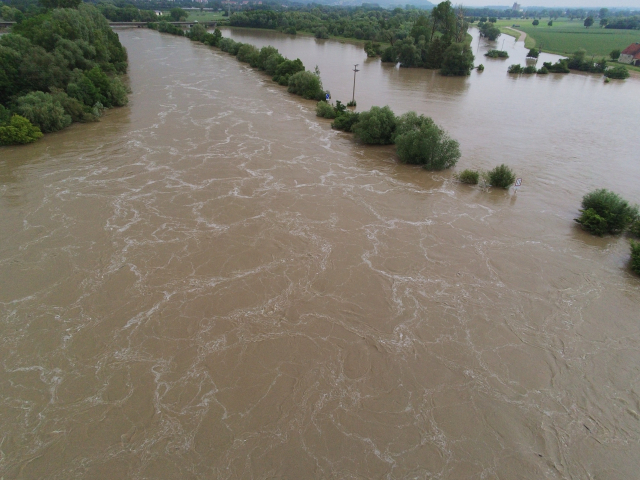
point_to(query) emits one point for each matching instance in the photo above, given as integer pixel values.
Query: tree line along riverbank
(58, 67)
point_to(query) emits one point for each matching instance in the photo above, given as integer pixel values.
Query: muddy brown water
(211, 283)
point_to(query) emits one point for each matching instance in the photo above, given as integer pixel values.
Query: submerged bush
(247, 53)
(420, 141)
(230, 46)
(272, 62)
(323, 109)
(468, 176)
(605, 212)
(457, 60)
(286, 68)
(618, 72)
(517, 68)
(307, 85)
(376, 126)
(501, 177)
(561, 66)
(345, 121)
(635, 256)
(264, 55)
(497, 54)
(389, 55)
(529, 69)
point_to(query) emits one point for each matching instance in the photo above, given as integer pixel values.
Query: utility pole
(355, 70)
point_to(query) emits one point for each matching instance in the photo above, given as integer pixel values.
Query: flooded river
(211, 283)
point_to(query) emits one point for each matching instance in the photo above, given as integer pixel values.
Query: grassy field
(565, 37)
(204, 16)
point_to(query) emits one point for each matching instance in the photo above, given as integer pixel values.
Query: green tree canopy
(458, 60)
(177, 14)
(376, 126)
(420, 141)
(42, 110)
(18, 130)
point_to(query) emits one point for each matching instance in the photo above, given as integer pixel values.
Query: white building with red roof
(631, 55)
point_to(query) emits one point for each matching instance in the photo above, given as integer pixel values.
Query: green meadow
(565, 36)
(204, 16)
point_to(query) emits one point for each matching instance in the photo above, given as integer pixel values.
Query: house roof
(633, 49)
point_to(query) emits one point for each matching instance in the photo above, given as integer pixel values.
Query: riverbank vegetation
(414, 38)
(418, 140)
(289, 73)
(58, 67)
(635, 257)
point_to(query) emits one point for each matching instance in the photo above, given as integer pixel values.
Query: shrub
(468, 176)
(420, 141)
(605, 212)
(533, 53)
(248, 53)
(635, 256)
(376, 126)
(501, 177)
(42, 110)
(272, 62)
(634, 228)
(543, 70)
(265, 54)
(19, 130)
(230, 46)
(307, 85)
(287, 68)
(497, 54)
(372, 49)
(197, 32)
(352, 103)
(323, 109)
(480, 68)
(615, 54)
(530, 69)
(515, 68)
(618, 72)
(345, 121)
(561, 66)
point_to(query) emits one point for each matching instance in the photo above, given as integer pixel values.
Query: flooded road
(211, 283)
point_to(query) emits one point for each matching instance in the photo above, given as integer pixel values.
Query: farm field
(565, 37)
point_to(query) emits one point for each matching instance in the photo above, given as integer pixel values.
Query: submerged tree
(420, 141)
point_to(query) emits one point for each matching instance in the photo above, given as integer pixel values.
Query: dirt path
(522, 36)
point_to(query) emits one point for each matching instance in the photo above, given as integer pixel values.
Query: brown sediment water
(211, 283)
